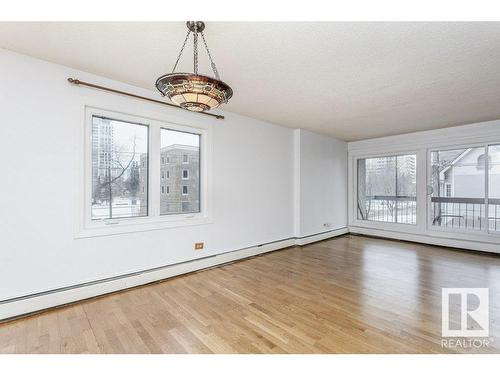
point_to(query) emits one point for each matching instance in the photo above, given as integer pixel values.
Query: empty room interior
(250, 187)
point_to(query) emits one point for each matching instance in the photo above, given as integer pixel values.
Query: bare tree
(116, 164)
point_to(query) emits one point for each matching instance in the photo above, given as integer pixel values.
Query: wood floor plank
(350, 294)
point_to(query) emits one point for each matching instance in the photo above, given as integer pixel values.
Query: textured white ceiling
(349, 80)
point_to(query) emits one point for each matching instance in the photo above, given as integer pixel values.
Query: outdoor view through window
(387, 189)
(180, 168)
(119, 169)
(458, 184)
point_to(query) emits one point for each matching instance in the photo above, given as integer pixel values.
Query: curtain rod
(83, 83)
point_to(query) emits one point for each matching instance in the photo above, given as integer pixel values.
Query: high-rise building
(102, 153)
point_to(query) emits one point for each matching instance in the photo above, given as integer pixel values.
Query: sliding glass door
(464, 189)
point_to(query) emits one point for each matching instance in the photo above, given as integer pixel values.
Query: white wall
(41, 122)
(258, 171)
(321, 180)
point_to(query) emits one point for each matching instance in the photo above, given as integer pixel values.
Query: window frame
(373, 223)
(476, 235)
(107, 154)
(480, 134)
(200, 164)
(86, 227)
(353, 189)
(446, 193)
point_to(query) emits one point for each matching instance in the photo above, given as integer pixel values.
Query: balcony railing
(458, 213)
(466, 213)
(387, 208)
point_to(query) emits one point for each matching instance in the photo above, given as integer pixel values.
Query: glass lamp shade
(194, 92)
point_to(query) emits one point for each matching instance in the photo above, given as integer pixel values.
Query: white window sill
(133, 225)
(433, 232)
(384, 225)
(468, 235)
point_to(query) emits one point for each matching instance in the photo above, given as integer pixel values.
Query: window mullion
(486, 189)
(423, 181)
(154, 170)
(396, 189)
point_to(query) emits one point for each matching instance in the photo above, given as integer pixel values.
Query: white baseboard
(28, 304)
(427, 239)
(41, 301)
(321, 236)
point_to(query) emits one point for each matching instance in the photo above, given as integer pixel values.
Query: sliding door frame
(422, 144)
(353, 210)
(478, 235)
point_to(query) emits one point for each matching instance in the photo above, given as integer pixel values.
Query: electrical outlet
(198, 246)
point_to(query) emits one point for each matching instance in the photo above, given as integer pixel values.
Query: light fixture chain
(190, 90)
(182, 50)
(214, 68)
(195, 48)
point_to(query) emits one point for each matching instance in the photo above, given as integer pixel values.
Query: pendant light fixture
(193, 91)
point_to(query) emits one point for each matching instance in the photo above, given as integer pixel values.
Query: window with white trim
(181, 147)
(387, 189)
(458, 171)
(465, 185)
(125, 170)
(448, 192)
(119, 169)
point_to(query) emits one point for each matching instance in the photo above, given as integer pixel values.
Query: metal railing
(448, 212)
(466, 213)
(387, 208)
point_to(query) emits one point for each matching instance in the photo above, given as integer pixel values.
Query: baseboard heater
(29, 304)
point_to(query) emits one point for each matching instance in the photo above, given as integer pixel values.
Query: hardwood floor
(350, 294)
